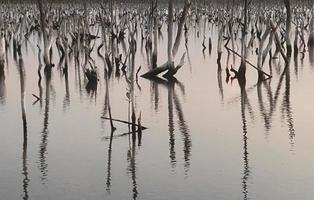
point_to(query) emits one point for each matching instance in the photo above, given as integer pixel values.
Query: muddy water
(206, 139)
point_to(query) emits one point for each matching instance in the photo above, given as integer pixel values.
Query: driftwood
(124, 122)
(164, 67)
(246, 61)
(158, 70)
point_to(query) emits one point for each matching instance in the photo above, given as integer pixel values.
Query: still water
(205, 139)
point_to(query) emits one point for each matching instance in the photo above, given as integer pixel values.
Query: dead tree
(278, 43)
(288, 27)
(311, 36)
(155, 31)
(43, 11)
(172, 49)
(219, 44)
(260, 52)
(310, 43)
(2, 51)
(242, 69)
(182, 21)
(170, 29)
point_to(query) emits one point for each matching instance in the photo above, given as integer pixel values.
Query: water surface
(206, 139)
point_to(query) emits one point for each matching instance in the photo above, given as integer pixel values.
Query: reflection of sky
(77, 155)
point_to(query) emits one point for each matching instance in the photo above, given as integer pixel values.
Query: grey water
(205, 138)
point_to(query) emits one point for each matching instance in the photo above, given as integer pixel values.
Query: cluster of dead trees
(276, 31)
(109, 31)
(74, 31)
(112, 33)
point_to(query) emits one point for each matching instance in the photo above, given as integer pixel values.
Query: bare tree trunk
(2, 51)
(260, 53)
(268, 47)
(24, 121)
(288, 27)
(172, 50)
(278, 43)
(311, 36)
(43, 12)
(311, 41)
(170, 30)
(219, 44)
(154, 59)
(296, 42)
(187, 5)
(242, 68)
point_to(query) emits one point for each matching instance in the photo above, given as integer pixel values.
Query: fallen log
(167, 66)
(124, 122)
(158, 70)
(245, 60)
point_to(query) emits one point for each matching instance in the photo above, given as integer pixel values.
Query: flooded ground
(205, 138)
